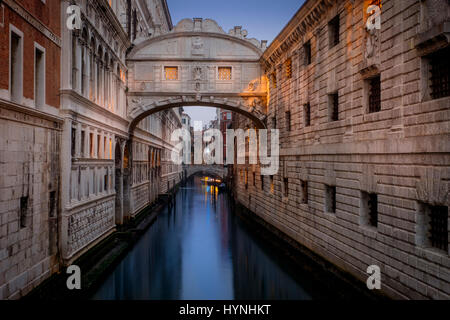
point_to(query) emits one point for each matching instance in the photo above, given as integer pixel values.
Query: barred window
(330, 199)
(286, 187)
(171, 73)
(273, 77)
(224, 73)
(288, 121)
(333, 107)
(307, 112)
(304, 187)
(288, 65)
(375, 94)
(440, 73)
(333, 29)
(369, 209)
(307, 48)
(438, 228)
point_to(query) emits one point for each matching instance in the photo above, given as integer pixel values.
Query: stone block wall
(330, 169)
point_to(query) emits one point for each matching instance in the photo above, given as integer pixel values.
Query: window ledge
(436, 36)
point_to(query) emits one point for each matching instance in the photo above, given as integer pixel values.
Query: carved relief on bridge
(253, 105)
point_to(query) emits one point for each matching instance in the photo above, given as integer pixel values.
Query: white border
(12, 29)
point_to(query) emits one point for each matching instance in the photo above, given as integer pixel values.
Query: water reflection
(198, 249)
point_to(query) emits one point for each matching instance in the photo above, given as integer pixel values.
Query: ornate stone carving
(197, 73)
(197, 46)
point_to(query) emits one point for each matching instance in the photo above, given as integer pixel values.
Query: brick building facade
(364, 132)
(30, 132)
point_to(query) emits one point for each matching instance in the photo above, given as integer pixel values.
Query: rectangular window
(288, 65)
(440, 73)
(273, 77)
(73, 141)
(262, 182)
(254, 179)
(330, 199)
(369, 209)
(83, 137)
(171, 73)
(98, 146)
(333, 107)
(304, 188)
(105, 148)
(307, 50)
(307, 112)
(91, 144)
(286, 187)
(333, 31)
(374, 94)
(23, 212)
(274, 122)
(432, 231)
(288, 121)
(39, 78)
(272, 185)
(16, 70)
(224, 73)
(246, 179)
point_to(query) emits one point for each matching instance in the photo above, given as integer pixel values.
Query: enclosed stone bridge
(217, 171)
(197, 64)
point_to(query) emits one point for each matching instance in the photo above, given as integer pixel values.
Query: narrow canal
(200, 250)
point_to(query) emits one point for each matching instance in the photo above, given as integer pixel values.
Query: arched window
(84, 62)
(74, 62)
(99, 74)
(92, 70)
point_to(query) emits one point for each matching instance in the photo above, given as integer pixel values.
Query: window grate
(334, 31)
(440, 73)
(307, 114)
(288, 64)
(438, 235)
(224, 73)
(288, 121)
(331, 199)
(304, 186)
(375, 95)
(334, 116)
(373, 210)
(171, 73)
(307, 48)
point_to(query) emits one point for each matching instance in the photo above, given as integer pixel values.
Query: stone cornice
(108, 11)
(306, 17)
(93, 106)
(56, 121)
(167, 36)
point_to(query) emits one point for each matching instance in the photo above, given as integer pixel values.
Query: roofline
(298, 17)
(167, 14)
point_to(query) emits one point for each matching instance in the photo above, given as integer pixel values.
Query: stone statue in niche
(197, 86)
(372, 43)
(197, 46)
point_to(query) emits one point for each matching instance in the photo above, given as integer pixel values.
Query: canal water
(200, 250)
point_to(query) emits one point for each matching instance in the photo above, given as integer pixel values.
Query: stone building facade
(109, 173)
(72, 170)
(30, 141)
(364, 118)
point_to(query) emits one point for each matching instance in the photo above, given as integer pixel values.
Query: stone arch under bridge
(197, 64)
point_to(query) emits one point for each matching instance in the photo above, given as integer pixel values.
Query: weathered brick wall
(29, 170)
(400, 153)
(48, 14)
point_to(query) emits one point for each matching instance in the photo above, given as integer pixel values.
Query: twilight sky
(263, 19)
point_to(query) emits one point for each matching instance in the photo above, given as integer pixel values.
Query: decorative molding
(33, 21)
